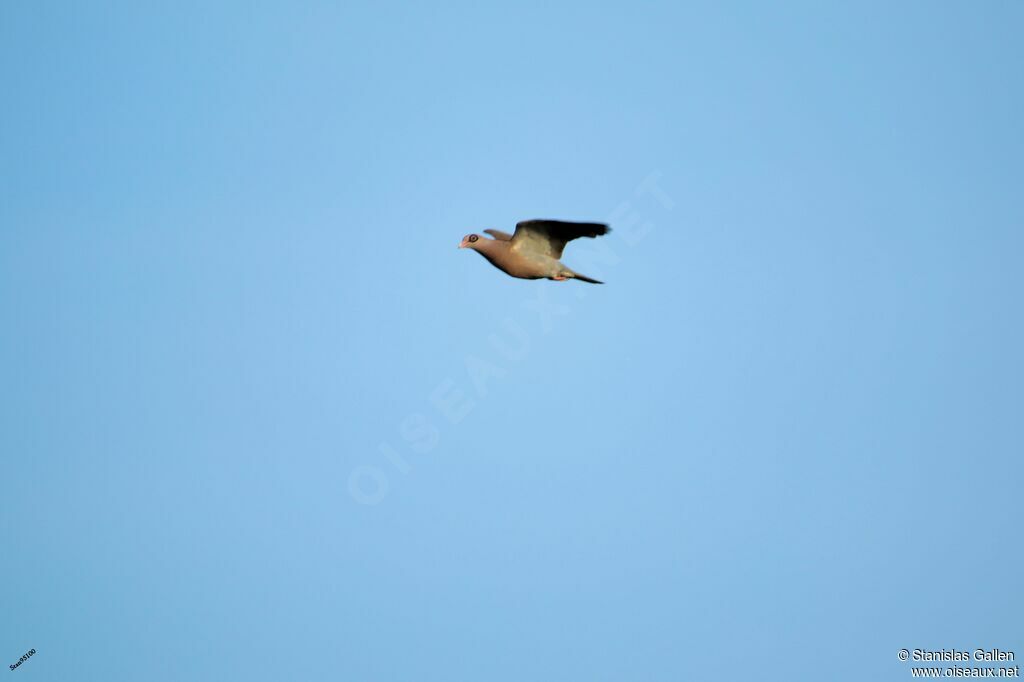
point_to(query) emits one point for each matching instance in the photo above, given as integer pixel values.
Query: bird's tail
(577, 275)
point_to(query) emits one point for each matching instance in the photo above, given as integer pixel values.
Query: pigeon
(533, 252)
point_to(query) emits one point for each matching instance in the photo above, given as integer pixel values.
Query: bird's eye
(473, 238)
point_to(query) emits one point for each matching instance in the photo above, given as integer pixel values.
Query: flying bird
(535, 250)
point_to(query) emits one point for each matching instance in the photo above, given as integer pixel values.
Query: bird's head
(469, 241)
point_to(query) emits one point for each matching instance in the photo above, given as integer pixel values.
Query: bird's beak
(462, 244)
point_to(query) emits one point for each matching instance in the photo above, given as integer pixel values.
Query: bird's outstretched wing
(499, 235)
(549, 237)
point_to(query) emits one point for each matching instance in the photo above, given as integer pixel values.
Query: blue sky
(262, 420)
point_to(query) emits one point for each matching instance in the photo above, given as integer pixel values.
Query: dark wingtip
(585, 229)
